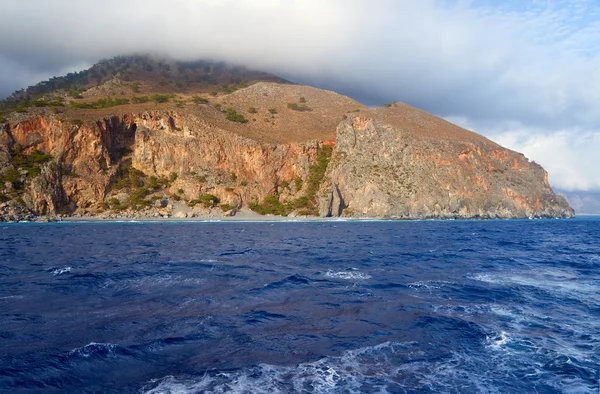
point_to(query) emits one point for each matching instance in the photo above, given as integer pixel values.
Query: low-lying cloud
(526, 74)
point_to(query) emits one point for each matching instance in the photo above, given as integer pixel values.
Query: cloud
(570, 157)
(507, 68)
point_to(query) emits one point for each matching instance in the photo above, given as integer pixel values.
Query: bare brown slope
(419, 122)
(272, 121)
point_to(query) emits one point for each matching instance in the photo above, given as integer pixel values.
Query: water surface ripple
(308, 307)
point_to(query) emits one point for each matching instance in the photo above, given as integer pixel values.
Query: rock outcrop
(191, 161)
(417, 166)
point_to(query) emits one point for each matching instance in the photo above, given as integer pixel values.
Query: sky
(524, 73)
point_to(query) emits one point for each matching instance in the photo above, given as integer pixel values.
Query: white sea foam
(347, 373)
(498, 341)
(60, 271)
(386, 368)
(348, 275)
(92, 348)
(548, 280)
(429, 285)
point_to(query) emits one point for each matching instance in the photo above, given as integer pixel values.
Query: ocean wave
(359, 370)
(60, 271)
(94, 349)
(347, 275)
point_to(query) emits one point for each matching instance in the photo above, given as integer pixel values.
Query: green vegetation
(270, 205)
(140, 99)
(227, 90)
(135, 86)
(273, 111)
(101, 103)
(306, 204)
(206, 199)
(296, 107)
(232, 115)
(77, 122)
(30, 163)
(161, 98)
(76, 93)
(141, 186)
(302, 100)
(284, 185)
(252, 110)
(127, 177)
(13, 176)
(230, 89)
(316, 171)
(213, 93)
(226, 207)
(200, 100)
(298, 183)
(46, 103)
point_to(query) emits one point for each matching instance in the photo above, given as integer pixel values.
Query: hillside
(136, 137)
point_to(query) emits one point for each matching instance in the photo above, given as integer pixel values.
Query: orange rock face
(395, 162)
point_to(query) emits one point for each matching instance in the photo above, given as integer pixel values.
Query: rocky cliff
(404, 163)
(274, 148)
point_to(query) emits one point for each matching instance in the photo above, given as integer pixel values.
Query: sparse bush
(270, 205)
(135, 86)
(298, 183)
(213, 93)
(76, 94)
(252, 110)
(232, 115)
(316, 171)
(206, 199)
(227, 90)
(296, 107)
(140, 100)
(77, 122)
(200, 100)
(273, 111)
(226, 207)
(161, 98)
(101, 103)
(302, 100)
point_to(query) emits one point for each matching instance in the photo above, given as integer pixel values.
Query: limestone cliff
(147, 160)
(404, 163)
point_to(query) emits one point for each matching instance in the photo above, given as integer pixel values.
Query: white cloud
(506, 68)
(570, 157)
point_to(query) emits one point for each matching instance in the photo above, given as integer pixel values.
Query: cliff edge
(262, 144)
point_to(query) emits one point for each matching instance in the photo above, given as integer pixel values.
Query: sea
(495, 306)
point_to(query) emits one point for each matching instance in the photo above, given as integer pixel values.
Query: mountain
(140, 137)
(584, 202)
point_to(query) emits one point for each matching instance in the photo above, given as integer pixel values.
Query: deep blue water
(340, 307)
